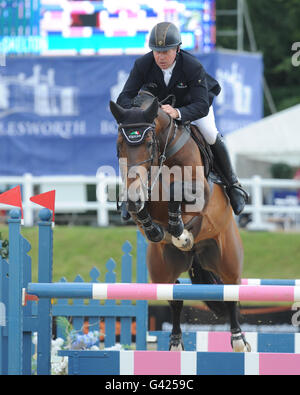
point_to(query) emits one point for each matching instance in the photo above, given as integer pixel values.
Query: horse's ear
(117, 111)
(150, 113)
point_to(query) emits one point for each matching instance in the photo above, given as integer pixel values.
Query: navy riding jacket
(193, 88)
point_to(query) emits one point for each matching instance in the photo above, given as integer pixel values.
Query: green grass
(78, 249)
(271, 255)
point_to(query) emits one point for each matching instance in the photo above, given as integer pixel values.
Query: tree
(276, 27)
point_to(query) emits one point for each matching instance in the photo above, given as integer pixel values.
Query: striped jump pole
(270, 281)
(123, 291)
(257, 281)
(151, 363)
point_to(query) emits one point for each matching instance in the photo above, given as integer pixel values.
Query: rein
(163, 156)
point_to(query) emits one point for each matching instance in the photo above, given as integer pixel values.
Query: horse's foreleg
(153, 231)
(181, 238)
(176, 343)
(175, 224)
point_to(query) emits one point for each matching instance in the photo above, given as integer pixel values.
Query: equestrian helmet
(164, 36)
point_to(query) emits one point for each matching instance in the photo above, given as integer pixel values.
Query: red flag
(13, 197)
(47, 200)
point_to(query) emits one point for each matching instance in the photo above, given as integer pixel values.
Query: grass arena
(28, 309)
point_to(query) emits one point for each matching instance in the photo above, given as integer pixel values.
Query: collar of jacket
(175, 75)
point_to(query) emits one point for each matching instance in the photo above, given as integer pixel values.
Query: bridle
(164, 153)
(150, 128)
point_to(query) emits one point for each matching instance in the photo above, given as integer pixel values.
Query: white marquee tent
(273, 139)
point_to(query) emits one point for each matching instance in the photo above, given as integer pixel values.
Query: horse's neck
(163, 119)
(162, 126)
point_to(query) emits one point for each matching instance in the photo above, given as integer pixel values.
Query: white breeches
(207, 126)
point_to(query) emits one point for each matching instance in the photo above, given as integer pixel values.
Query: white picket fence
(71, 197)
(71, 194)
(265, 215)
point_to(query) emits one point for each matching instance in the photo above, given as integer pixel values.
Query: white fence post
(257, 202)
(28, 193)
(102, 212)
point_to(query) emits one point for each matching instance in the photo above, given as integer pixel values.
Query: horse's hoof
(176, 228)
(155, 233)
(176, 343)
(239, 343)
(185, 241)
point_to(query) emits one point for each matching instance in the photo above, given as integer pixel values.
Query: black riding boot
(237, 195)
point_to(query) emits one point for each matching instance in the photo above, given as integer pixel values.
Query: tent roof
(275, 138)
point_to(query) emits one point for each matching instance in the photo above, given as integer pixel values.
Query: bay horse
(204, 241)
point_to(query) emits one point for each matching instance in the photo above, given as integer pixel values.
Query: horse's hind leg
(210, 267)
(230, 271)
(201, 276)
(165, 264)
(238, 341)
(176, 343)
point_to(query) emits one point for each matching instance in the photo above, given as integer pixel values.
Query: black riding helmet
(164, 36)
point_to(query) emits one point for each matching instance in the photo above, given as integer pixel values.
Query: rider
(169, 70)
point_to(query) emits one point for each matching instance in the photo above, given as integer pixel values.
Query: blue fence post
(142, 305)
(27, 313)
(4, 275)
(44, 305)
(78, 322)
(126, 277)
(15, 313)
(2, 314)
(110, 321)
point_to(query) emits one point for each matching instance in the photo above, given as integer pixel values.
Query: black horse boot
(175, 224)
(237, 195)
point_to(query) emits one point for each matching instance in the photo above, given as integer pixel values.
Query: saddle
(210, 171)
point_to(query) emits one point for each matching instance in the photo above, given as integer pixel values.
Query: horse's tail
(200, 276)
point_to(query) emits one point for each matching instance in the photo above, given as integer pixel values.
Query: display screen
(105, 27)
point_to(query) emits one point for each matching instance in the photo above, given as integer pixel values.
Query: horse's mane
(144, 99)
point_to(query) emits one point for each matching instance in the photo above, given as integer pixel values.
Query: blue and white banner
(241, 99)
(55, 117)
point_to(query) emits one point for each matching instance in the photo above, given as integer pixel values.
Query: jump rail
(229, 293)
(181, 363)
(257, 281)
